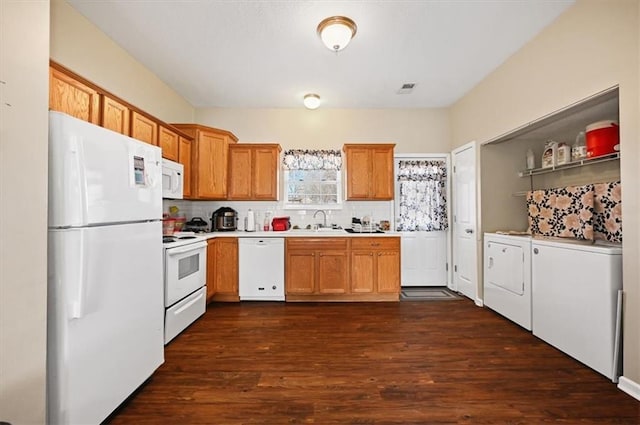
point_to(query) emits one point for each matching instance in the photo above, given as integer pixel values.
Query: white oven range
(184, 282)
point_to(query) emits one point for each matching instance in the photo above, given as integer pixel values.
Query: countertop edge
(296, 234)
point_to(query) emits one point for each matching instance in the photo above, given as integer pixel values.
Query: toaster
(280, 224)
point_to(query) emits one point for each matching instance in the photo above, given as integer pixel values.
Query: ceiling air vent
(406, 88)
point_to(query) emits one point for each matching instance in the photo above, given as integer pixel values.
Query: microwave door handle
(175, 180)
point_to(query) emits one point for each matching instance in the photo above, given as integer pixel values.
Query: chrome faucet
(324, 215)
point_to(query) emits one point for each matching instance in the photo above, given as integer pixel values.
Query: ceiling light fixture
(311, 101)
(336, 32)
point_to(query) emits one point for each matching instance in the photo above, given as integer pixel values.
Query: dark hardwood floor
(439, 362)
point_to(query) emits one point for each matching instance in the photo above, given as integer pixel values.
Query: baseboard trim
(630, 387)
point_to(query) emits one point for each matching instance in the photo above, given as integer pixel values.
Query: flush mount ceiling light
(336, 32)
(311, 101)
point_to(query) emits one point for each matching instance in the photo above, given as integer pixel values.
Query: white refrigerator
(105, 287)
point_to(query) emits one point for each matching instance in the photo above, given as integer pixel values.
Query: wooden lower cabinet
(316, 266)
(211, 267)
(333, 272)
(375, 265)
(342, 269)
(222, 269)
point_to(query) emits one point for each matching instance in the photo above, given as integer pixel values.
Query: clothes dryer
(507, 276)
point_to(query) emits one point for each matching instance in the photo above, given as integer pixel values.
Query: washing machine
(577, 288)
(507, 276)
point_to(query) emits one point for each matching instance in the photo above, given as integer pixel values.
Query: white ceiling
(267, 54)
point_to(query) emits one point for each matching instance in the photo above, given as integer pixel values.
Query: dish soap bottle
(531, 160)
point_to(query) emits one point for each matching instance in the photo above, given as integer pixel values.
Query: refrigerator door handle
(77, 182)
(78, 300)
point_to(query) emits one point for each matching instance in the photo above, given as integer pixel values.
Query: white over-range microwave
(172, 179)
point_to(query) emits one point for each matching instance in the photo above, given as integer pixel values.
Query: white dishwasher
(261, 269)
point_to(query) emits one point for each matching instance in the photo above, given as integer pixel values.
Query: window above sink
(312, 179)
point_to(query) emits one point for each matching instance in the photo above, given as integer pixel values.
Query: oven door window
(188, 266)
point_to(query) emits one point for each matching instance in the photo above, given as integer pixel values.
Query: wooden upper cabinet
(265, 168)
(369, 171)
(209, 160)
(115, 115)
(169, 143)
(72, 97)
(240, 164)
(184, 158)
(253, 171)
(143, 128)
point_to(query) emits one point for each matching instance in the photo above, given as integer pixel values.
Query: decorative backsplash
(377, 210)
(592, 211)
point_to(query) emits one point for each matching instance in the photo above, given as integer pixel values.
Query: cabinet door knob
(535, 250)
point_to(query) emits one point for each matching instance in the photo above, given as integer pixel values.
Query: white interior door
(465, 250)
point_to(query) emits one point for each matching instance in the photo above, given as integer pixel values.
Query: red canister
(280, 224)
(602, 137)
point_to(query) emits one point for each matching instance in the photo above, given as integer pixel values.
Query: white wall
(413, 130)
(590, 47)
(24, 62)
(80, 46)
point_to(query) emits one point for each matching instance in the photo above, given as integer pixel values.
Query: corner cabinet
(253, 171)
(369, 171)
(222, 269)
(209, 160)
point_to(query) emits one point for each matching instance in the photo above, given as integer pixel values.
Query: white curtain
(422, 198)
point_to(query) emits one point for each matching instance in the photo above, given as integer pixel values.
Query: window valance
(305, 159)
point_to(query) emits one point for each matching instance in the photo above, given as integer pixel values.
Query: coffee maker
(224, 219)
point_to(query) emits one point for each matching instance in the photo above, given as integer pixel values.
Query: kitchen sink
(319, 230)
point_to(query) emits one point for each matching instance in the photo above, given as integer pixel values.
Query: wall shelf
(572, 164)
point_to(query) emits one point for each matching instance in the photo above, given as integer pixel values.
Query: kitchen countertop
(298, 233)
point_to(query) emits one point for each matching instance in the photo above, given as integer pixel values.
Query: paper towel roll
(251, 222)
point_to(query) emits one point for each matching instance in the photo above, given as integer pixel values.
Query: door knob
(535, 250)
(468, 231)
